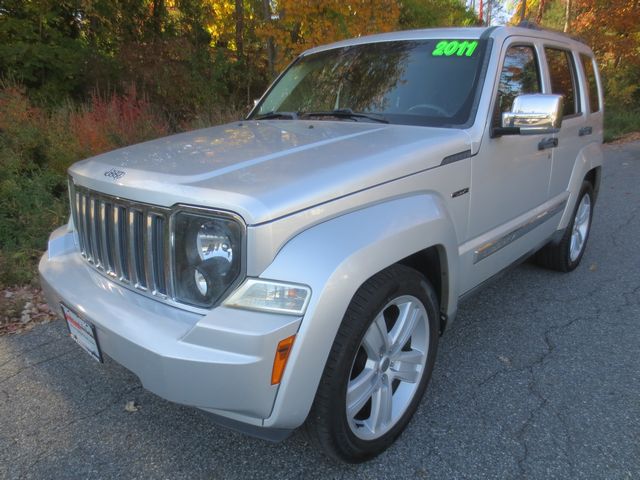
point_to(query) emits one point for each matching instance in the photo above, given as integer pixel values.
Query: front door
(510, 175)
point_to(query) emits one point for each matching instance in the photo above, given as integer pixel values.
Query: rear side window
(590, 74)
(563, 78)
(520, 74)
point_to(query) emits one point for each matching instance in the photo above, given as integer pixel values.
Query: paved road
(538, 378)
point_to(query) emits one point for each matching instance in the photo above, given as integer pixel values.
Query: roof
(461, 33)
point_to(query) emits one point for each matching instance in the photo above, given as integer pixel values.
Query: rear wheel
(378, 368)
(566, 255)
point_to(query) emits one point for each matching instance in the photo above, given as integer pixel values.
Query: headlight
(270, 296)
(207, 253)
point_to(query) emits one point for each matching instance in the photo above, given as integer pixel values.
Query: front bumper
(220, 362)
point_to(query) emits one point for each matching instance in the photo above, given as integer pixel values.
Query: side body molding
(335, 258)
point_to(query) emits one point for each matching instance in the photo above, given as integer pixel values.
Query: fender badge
(460, 192)
(115, 173)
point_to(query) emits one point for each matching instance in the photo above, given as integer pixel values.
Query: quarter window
(563, 78)
(520, 75)
(590, 74)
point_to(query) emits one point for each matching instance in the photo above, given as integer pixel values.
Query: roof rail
(529, 24)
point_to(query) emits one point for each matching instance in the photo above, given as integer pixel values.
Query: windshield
(426, 82)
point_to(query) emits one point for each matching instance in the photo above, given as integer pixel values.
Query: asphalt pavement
(538, 378)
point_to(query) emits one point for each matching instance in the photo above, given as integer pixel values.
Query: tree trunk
(523, 10)
(480, 17)
(240, 28)
(157, 16)
(541, 6)
(567, 16)
(271, 50)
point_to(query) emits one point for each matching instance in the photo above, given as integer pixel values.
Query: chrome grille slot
(120, 243)
(158, 253)
(137, 240)
(106, 232)
(94, 227)
(125, 240)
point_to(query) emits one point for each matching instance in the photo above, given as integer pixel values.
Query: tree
(523, 10)
(436, 13)
(567, 16)
(239, 13)
(300, 24)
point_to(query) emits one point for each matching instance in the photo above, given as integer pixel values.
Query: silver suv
(300, 265)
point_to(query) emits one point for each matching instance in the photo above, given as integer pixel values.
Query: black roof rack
(530, 25)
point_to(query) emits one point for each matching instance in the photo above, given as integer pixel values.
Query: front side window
(590, 74)
(563, 78)
(424, 82)
(520, 75)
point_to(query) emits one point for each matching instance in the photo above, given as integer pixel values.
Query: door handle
(585, 131)
(548, 143)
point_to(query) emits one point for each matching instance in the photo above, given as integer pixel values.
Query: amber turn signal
(280, 360)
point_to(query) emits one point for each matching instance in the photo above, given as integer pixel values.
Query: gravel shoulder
(539, 377)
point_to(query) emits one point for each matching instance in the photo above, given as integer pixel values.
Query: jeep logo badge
(115, 173)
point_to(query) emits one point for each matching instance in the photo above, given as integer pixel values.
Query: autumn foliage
(611, 28)
(79, 78)
(302, 24)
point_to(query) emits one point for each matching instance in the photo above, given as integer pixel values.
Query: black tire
(558, 256)
(328, 425)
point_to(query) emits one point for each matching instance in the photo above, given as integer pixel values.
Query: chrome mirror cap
(535, 114)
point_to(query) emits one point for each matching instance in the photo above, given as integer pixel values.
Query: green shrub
(619, 121)
(37, 147)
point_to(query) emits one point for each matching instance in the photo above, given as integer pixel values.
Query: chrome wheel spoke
(360, 390)
(376, 340)
(381, 407)
(412, 357)
(406, 324)
(584, 213)
(405, 366)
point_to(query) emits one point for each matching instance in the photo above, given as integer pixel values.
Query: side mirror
(533, 114)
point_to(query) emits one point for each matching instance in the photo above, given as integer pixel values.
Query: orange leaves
(107, 123)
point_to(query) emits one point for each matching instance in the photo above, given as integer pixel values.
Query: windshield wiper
(345, 113)
(284, 115)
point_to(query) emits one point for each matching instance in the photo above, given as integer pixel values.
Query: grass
(618, 122)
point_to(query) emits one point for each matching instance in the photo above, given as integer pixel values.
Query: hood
(266, 169)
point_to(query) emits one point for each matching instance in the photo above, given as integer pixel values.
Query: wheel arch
(586, 167)
(433, 264)
(594, 177)
(335, 258)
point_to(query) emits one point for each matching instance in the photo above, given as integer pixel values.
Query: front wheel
(378, 367)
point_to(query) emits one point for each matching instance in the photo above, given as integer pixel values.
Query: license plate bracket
(82, 332)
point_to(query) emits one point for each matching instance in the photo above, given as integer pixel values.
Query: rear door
(564, 79)
(593, 98)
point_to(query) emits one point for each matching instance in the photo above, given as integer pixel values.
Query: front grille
(125, 240)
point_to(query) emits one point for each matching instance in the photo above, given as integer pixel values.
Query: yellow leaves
(301, 24)
(222, 24)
